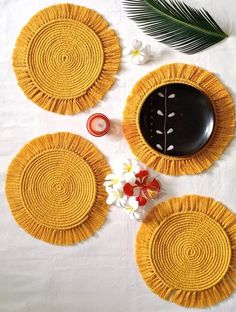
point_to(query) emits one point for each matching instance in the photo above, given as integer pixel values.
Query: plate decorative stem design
(165, 115)
(181, 158)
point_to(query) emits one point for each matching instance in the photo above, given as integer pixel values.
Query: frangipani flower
(115, 197)
(132, 208)
(114, 181)
(129, 169)
(131, 188)
(139, 54)
(146, 189)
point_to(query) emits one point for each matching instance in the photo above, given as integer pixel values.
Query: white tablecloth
(99, 275)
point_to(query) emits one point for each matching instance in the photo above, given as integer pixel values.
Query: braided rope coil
(55, 188)
(66, 58)
(185, 251)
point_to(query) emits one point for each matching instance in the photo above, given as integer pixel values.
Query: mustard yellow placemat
(54, 186)
(179, 119)
(66, 58)
(185, 251)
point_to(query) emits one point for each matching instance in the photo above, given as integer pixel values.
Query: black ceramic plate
(177, 119)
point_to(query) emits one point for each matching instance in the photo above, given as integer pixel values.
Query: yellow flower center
(135, 52)
(130, 209)
(116, 181)
(152, 194)
(127, 168)
(117, 194)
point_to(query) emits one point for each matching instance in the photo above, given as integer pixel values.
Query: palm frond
(176, 24)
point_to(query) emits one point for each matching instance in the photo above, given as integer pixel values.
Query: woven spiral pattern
(183, 243)
(185, 251)
(66, 58)
(62, 178)
(55, 188)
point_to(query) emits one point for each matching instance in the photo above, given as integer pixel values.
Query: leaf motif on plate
(159, 132)
(171, 96)
(171, 114)
(159, 112)
(170, 148)
(159, 147)
(160, 94)
(170, 131)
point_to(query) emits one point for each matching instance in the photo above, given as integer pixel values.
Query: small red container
(98, 125)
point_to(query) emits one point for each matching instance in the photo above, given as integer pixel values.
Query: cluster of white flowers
(114, 187)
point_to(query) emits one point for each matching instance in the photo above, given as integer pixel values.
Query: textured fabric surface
(185, 250)
(66, 58)
(99, 275)
(55, 189)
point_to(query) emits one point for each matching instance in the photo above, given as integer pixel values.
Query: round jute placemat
(66, 58)
(185, 251)
(55, 189)
(167, 107)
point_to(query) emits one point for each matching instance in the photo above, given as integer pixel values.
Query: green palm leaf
(176, 24)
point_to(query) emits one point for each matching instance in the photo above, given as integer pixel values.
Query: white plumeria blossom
(129, 170)
(132, 208)
(115, 197)
(114, 181)
(140, 54)
(114, 184)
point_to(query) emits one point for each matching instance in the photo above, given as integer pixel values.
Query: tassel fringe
(176, 206)
(106, 78)
(224, 119)
(96, 215)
